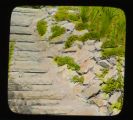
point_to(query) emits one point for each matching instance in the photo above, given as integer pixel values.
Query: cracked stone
(115, 97)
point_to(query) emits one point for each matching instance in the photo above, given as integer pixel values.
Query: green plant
(84, 14)
(60, 15)
(41, 27)
(66, 60)
(76, 78)
(90, 35)
(57, 31)
(70, 40)
(81, 26)
(109, 44)
(119, 51)
(31, 6)
(72, 17)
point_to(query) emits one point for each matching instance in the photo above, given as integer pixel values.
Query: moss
(76, 78)
(111, 85)
(103, 74)
(72, 17)
(11, 49)
(70, 41)
(117, 106)
(109, 44)
(81, 26)
(66, 60)
(41, 27)
(57, 31)
(119, 51)
(60, 15)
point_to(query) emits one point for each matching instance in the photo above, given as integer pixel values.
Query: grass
(68, 61)
(119, 51)
(90, 35)
(70, 40)
(109, 44)
(41, 27)
(76, 78)
(72, 17)
(57, 31)
(84, 14)
(31, 6)
(81, 26)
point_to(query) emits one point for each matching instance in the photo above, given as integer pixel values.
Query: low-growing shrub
(57, 31)
(70, 41)
(119, 51)
(81, 26)
(41, 27)
(66, 60)
(76, 78)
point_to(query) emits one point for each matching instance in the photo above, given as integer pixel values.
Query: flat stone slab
(20, 30)
(29, 66)
(29, 79)
(18, 19)
(23, 38)
(25, 10)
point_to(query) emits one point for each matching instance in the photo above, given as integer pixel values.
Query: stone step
(23, 38)
(19, 19)
(30, 78)
(51, 95)
(25, 10)
(20, 30)
(26, 46)
(29, 66)
(29, 87)
(20, 102)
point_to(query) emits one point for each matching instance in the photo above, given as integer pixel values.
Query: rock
(76, 32)
(77, 89)
(97, 56)
(69, 26)
(90, 42)
(81, 56)
(25, 10)
(112, 73)
(104, 64)
(71, 49)
(98, 45)
(71, 11)
(104, 110)
(97, 68)
(99, 102)
(115, 112)
(91, 90)
(115, 97)
(89, 48)
(78, 43)
(87, 77)
(112, 60)
(62, 22)
(86, 66)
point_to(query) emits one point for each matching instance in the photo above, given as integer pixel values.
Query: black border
(6, 11)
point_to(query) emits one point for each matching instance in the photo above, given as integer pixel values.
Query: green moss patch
(72, 17)
(41, 27)
(70, 41)
(81, 26)
(76, 78)
(57, 31)
(109, 44)
(68, 61)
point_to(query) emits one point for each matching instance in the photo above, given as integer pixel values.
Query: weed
(72, 17)
(57, 31)
(84, 14)
(41, 27)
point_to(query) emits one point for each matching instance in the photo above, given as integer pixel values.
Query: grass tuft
(76, 78)
(82, 26)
